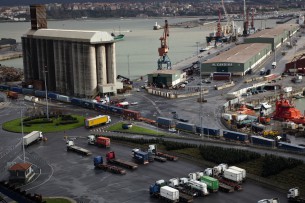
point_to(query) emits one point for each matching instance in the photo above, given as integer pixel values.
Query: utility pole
(128, 67)
(46, 90)
(200, 99)
(197, 43)
(22, 133)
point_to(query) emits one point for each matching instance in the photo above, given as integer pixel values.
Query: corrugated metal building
(75, 62)
(275, 36)
(237, 60)
(166, 78)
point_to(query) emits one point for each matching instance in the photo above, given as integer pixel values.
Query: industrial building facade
(74, 62)
(237, 60)
(166, 78)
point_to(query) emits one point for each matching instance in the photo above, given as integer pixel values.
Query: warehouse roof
(166, 71)
(239, 54)
(271, 33)
(71, 35)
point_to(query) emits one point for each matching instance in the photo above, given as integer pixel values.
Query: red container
(103, 141)
(131, 114)
(12, 95)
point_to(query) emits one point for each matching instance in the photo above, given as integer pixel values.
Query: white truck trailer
(233, 175)
(32, 137)
(243, 171)
(170, 194)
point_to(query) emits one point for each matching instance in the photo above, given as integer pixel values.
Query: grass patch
(14, 125)
(134, 129)
(56, 200)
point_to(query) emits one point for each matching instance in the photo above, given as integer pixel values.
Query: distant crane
(229, 25)
(246, 20)
(163, 50)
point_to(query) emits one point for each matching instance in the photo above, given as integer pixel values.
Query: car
(246, 94)
(138, 89)
(172, 130)
(183, 120)
(134, 103)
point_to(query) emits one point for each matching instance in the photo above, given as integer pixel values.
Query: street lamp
(46, 90)
(21, 119)
(200, 100)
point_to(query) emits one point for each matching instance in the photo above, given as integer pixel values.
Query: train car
(237, 136)
(101, 107)
(187, 127)
(63, 98)
(39, 93)
(258, 140)
(290, 147)
(16, 89)
(27, 91)
(116, 110)
(87, 104)
(76, 101)
(4, 87)
(52, 95)
(165, 122)
(136, 115)
(208, 131)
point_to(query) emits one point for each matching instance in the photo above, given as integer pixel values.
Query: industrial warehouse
(74, 62)
(245, 57)
(166, 78)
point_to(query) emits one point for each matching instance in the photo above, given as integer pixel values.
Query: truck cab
(273, 65)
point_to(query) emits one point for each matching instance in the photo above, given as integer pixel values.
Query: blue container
(97, 160)
(165, 122)
(208, 131)
(88, 104)
(188, 127)
(17, 89)
(154, 189)
(101, 107)
(290, 147)
(52, 95)
(63, 98)
(26, 91)
(115, 109)
(232, 135)
(76, 101)
(258, 140)
(4, 87)
(140, 157)
(39, 93)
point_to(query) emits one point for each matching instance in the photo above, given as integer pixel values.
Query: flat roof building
(166, 78)
(237, 60)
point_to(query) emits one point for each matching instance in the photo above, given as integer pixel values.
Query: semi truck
(154, 150)
(212, 183)
(111, 159)
(233, 175)
(294, 196)
(140, 156)
(200, 187)
(98, 163)
(99, 141)
(77, 149)
(98, 120)
(243, 171)
(33, 136)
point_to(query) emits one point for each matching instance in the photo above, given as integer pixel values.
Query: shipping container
(4, 87)
(233, 175)
(63, 98)
(258, 140)
(165, 122)
(232, 135)
(98, 120)
(12, 95)
(101, 107)
(76, 101)
(116, 110)
(188, 127)
(26, 91)
(17, 89)
(211, 183)
(39, 93)
(170, 194)
(291, 147)
(52, 95)
(103, 141)
(87, 104)
(243, 171)
(127, 113)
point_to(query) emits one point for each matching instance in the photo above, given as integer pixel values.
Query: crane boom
(163, 50)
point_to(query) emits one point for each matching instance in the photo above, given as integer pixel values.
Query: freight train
(161, 121)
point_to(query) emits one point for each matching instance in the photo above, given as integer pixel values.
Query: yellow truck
(98, 120)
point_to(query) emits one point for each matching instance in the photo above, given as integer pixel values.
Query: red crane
(163, 50)
(218, 33)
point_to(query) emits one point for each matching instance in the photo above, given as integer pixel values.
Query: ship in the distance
(157, 26)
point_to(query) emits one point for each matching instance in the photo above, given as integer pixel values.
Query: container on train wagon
(188, 127)
(52, 95)
(63, 98)
(258, 140)
(39, 93)
(27, 91)
(76, 101)
(232, 135)
(291, 147)
(16, 89)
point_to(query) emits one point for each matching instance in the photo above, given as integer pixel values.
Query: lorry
(154, 150)
(99, 141)
(243, 171)
(98, 120)
(152, 154)
(72, 147)
(294, 196)
(212, 183)
(32, 137)
(98, 163)
(140, 156)
(12, 95)
(200, 187)
(232, 175)
(111, 159)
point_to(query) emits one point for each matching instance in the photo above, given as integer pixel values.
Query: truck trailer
(140, 156)
(154, 150)
(99, 141)
(74, 148)
(32, 137)
(110, 156)
(232, 175)
(12, 95)
(98, 120)
(98, 163)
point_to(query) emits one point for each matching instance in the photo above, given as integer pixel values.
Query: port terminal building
(245, 57)
(72, 62)
(237, 60)
(166, 77)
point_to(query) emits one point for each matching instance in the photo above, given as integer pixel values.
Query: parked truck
(212, 183)
(154, 150)
(294, 196)
(110, 156)
(200, 187)
(32, 137)
(98, 120)
(98, 163)
(99, 141)
(12, 95)
(273, 200)
(243, 171)
(72, 147)
(140, 156)
(233, 175)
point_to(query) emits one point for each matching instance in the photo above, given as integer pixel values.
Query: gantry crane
(163, 50)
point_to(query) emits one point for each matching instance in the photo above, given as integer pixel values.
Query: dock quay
(12, 55)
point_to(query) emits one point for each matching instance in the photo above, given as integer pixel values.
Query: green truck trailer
(212, 183)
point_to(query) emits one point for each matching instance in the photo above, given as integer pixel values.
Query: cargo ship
(156, 26)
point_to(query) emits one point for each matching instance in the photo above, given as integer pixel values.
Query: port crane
(246, 20)
(163, 50)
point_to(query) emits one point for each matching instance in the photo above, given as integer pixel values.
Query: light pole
(200, 99)
(21, 120)
(46, 90)
(197, 43)
(128, 66)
